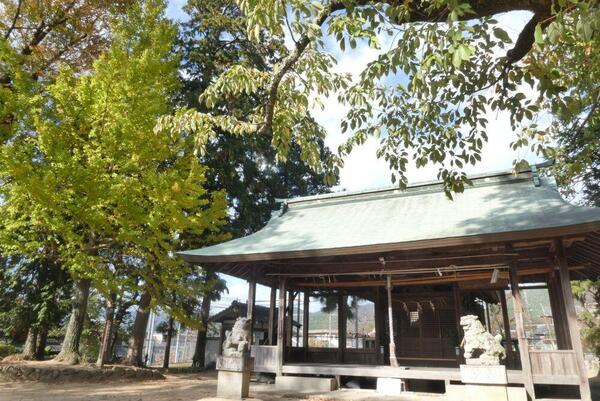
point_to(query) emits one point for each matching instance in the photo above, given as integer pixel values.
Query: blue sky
(362, 169)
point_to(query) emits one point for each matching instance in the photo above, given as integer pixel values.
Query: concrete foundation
(491, 392)
(234, 385)
(389, 386)
(300, 384)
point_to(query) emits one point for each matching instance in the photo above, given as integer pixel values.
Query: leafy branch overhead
(445, 69)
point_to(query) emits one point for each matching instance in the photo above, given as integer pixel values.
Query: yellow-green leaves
(97, 173)
(461, 53)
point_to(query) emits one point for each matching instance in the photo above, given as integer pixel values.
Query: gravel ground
(187, 387)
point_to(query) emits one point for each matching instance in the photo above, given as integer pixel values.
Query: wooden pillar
(378, 324)
(506, 323)
(393, 360)
(298, 319)
(272, 307)
(457, 315)
(251, 303)
(290, 320)
(305, 311)
(565, 284)
(559, 314)
(221, 339)
(281, 327)
(341, 327)
(520, 326)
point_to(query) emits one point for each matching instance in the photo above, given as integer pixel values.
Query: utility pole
(177, 343)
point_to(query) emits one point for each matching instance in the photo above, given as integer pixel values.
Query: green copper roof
(496, 207)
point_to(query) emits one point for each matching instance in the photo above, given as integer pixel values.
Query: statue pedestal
(484, 382)
(483, 374)
(234, 376)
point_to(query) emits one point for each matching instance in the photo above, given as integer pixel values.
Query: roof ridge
(417, 187)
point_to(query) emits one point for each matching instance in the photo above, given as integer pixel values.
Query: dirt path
(180, 387)
(185, 387)
(188, 387)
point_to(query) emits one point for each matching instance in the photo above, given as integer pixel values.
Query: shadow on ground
(188, 387)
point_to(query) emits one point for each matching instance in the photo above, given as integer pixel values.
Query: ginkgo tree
(88, 166)
(427, 97)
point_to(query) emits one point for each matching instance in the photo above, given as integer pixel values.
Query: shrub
(7, 349)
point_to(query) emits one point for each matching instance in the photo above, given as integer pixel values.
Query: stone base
(300, 384)
(235, 363)
(234, 376)
(234, 385)
(389, 386)
(462, 392)
(483, 374)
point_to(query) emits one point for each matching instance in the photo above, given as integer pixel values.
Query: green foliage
(87, 167)
(6, 350)
(215, 48)
(567, 65)
(454, 67)
(34, 294)
(587, 293)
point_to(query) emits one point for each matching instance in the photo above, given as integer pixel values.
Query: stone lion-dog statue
(237, 340)
(480, 347)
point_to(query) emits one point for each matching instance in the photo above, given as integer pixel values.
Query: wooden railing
(554, 367)
(265, 358)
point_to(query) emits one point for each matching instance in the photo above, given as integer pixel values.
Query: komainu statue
(237, 341)
(480, 347)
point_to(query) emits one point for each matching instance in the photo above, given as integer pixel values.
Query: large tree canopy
(211, 41)
(428, 96)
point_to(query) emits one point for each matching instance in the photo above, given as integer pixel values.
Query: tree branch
(44, 29)
(540, 8)
(14, 21)
(289, 62)
(526, 38)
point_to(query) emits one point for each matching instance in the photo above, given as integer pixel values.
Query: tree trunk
(114, 334)
(136, 339)
(40, 351)
(30, 343)
(104, 353)
(69, 351)
(199, 351)
(168, 343)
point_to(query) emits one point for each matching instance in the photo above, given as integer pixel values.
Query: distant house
(237, 309)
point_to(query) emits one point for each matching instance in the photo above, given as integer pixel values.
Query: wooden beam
(281, 327)
(393, 360)
(565, 283)
(419, 281)
(303, 268)
(506, 323)
(272, 308)
(521, 337)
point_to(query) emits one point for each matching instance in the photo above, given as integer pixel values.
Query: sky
(362, 169)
